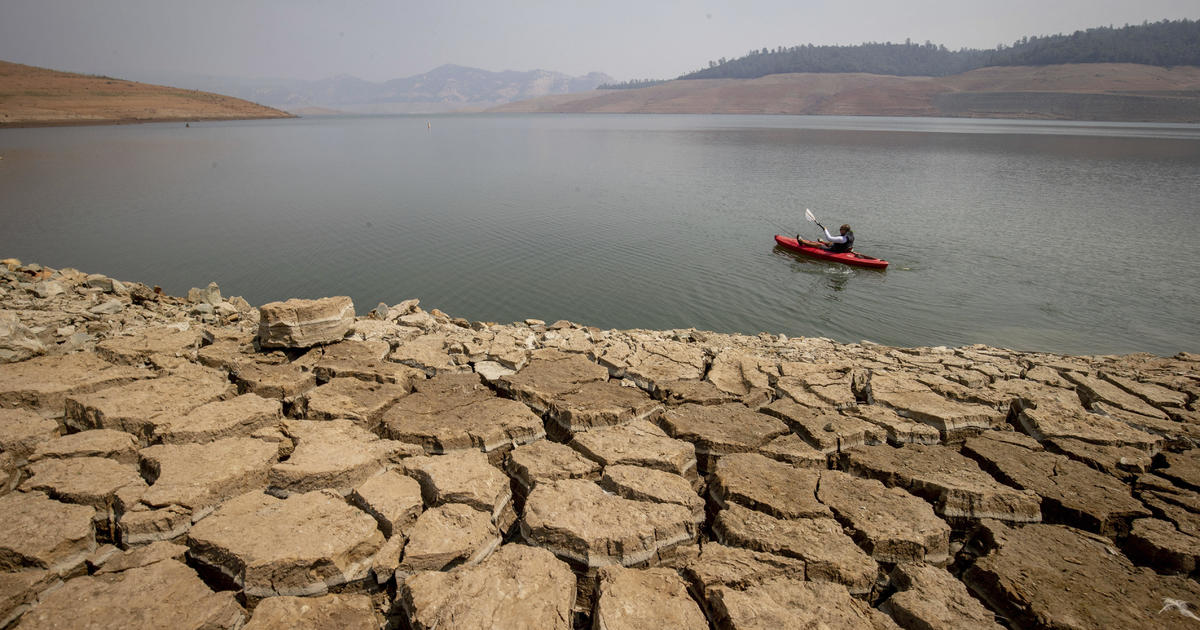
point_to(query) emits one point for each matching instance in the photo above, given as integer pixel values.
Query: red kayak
(814, 249)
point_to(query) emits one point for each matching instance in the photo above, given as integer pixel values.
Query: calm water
(1080, 238)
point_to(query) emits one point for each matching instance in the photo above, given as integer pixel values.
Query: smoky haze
(380, 40)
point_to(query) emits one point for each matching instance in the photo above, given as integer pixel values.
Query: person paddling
(843, 242)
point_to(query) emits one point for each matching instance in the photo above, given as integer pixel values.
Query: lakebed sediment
(207, 463)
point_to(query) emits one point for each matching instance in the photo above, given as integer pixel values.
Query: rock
(337, 454)
(465, 478)
(455, 411)
(200, 477)
(135, 350)
(448, 535)
(21, 431)
(304, 323)
(204, 312)
(38, 532)
(379, 312)
(792, 450)
(1091, 586)
(1156, 395)
(517, 587)
(492, 370)
(1071, 492)
(888, 523)
(578, 521)
(736, 567)
(826, 432)
(1169, 502)
(348, 612)
(642, 599)
(17, 341)
(544, 461)
(427, 353)
(228, 351)
(393, 499)
(1158, 544)
(210, 295)
(1094, 390)
(48, 289)
(510, 349)
(647, 484)
(167, 592)
(829, 554)
(386, 562)
(791, 603)
(10, 472)
(677, 393)
(930, 597)
(654, 362)
(45, 382)
(118, 446)
(958, 489)
(550, 375)
(1122, 462)
(1174, 435)
(739, 374)
(102, 484)
(720, 430)
(19, 590)
(102, 282)
(237, 417)
(600, 404)
(953, 419)
(301, 545)
(141, 525)
(363, 360)
(140, 406)
(279, 381)
(828, 390)
(142, 557)
(900, 431)
(1183, 469)
(1052, 423)
(108, 307)
(759, 483)
(638, 443)
(421, 320)
(360, 401)
(407, 307)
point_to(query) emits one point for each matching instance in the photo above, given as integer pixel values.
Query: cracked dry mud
(298, 465)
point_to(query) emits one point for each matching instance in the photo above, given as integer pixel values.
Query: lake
(1079, 238)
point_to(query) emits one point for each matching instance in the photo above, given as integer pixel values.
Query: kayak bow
(810, 248)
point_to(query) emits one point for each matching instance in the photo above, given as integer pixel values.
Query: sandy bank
(205, 462)
(38, 97)
(1110, 92)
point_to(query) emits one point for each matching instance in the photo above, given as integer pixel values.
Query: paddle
(809, 215)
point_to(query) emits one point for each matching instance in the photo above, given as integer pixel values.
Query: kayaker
(843, 242)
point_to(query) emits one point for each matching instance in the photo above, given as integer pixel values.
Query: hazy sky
(379, 40)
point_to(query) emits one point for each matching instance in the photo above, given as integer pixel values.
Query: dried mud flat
(203, 463)
(33, 97)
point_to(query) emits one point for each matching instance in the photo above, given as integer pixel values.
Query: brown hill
(1116, 92)
(32, 96)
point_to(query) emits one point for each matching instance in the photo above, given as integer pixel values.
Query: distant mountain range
(443, 89)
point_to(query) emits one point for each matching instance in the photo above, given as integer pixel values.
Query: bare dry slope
(1117, 92)
(32, 96)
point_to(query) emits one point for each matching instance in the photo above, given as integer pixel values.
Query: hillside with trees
(1165, 44)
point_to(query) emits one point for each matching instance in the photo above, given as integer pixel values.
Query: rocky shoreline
(203, 463)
